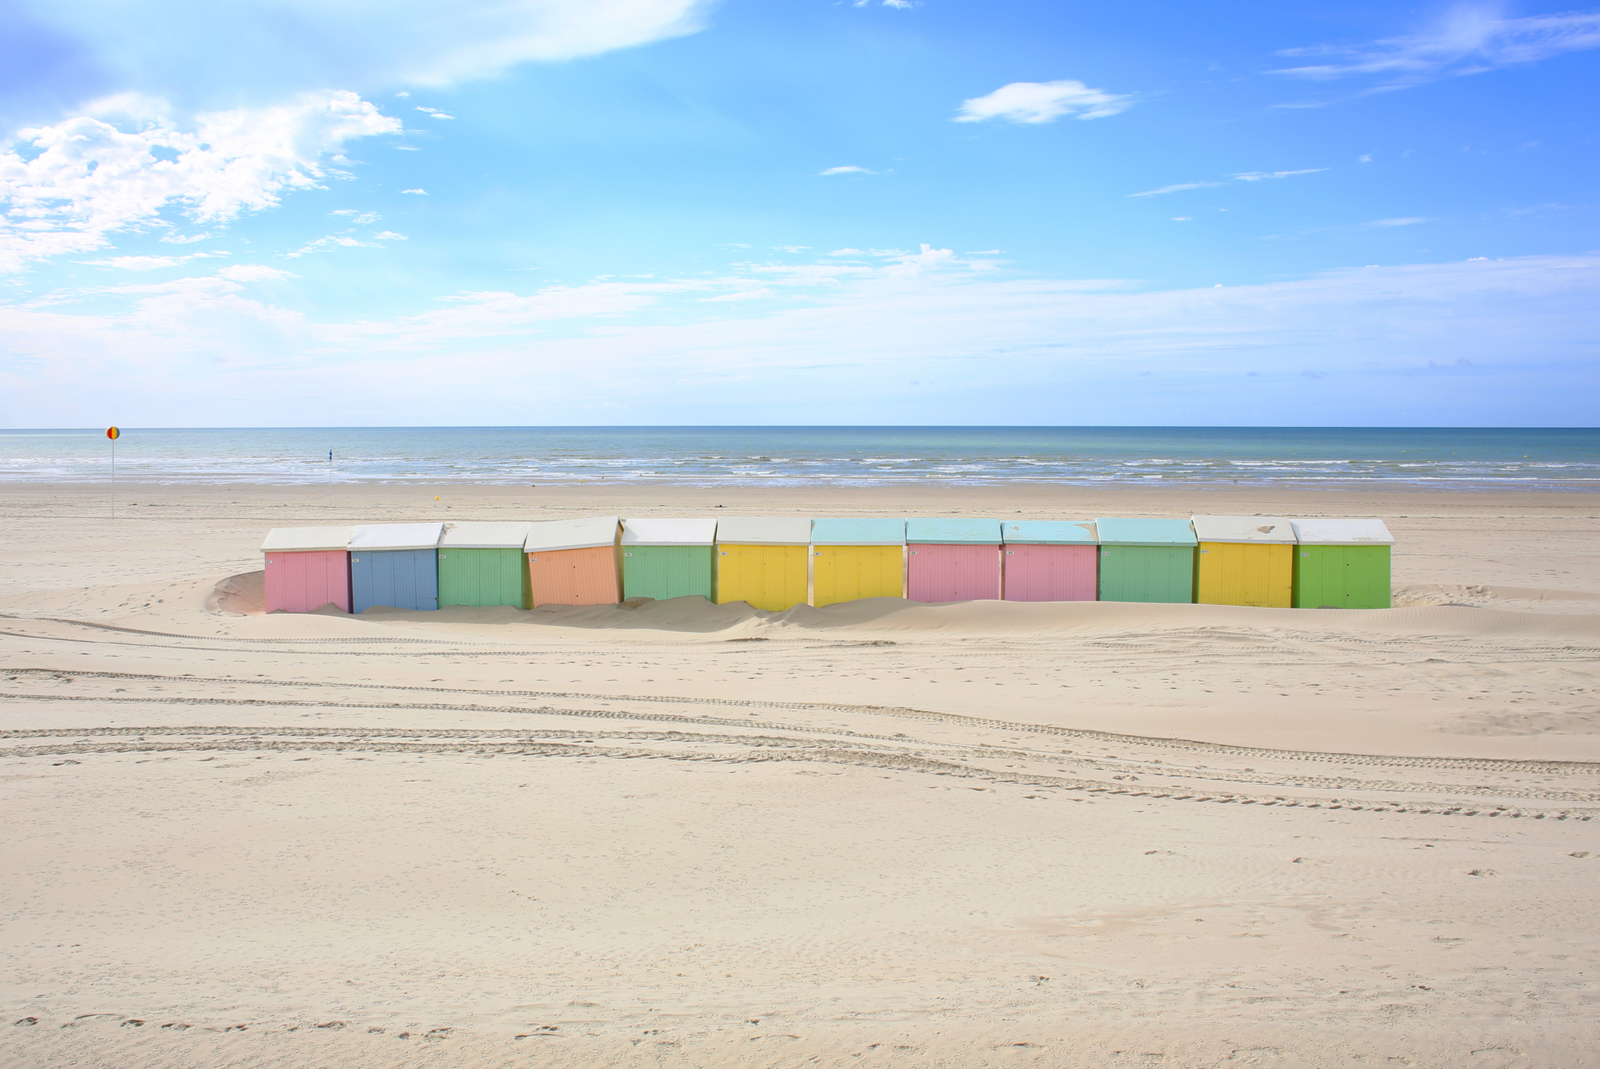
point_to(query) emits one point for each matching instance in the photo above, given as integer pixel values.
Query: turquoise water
(1457, 459)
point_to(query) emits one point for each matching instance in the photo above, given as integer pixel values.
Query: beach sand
(873, 834)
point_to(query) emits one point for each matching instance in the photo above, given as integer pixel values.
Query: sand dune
(677, 833)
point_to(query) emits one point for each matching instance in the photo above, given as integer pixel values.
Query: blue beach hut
(395, 564)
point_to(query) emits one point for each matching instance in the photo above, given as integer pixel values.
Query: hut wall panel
(1147, 573)
(1050, 572)
(952, 572)
(400, 578)
(1342, 577)
(1233, 573)
(847, 573)
(575, 576)
(764, 577)
(663, 572)
(306, 581)
(482, 577)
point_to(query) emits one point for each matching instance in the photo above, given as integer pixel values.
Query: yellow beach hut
(762, 561)
(1244, 560)
(857, 558)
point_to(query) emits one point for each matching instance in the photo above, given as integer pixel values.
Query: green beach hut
(481, 563)
(664, 559)
(1341, 564)
(1146, 560)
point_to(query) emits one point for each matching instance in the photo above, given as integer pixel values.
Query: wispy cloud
(418, 192)
(1407, 220)
(1267, 176)
(435, 112)
(1470, 39)
(847, 169)
(254, 273)
(1243, 176)
(149, 263)
(1041, 102)
(1177, 187)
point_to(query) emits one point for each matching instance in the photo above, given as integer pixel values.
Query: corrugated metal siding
(846, 573)
(663, 572)
(400, 578)
(575, 576)
(1342, 577)
(1147, 573)
(482, 577)
(306, 581)
(764, 577)
(1233, 573)
(953, 573)
(1050, 572)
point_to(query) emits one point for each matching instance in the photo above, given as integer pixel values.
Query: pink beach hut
(307, 568)
(1050, 560)
(952, 560)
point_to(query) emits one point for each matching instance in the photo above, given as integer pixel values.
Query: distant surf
(1441, 458)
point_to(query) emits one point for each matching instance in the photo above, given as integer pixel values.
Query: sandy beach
(878, 833)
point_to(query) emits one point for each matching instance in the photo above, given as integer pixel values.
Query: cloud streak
(1470, 39)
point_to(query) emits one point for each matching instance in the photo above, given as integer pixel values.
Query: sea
(1439, 458)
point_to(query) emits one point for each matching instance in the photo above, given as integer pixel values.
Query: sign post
(113, 433)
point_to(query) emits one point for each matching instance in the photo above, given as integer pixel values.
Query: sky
(614, 212)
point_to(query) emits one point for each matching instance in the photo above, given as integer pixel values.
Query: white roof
(1263, 530)
(591, 531)
(306, 539)
(654, 532)
(1344, 532)
(764, 530)
(485, 534)
(396, 536)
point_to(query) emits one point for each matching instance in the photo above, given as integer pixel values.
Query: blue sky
(341, 212)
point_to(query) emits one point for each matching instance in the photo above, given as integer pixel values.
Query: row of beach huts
(777, 563)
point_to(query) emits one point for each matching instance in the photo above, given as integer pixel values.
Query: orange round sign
(113, 433)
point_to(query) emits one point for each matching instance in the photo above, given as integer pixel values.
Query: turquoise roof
(946, 530)
(1048, 532)
(858, 532)
(1125, 532)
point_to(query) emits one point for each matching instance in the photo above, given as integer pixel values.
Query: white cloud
(1183, 218)
(1408, 220)
(1040, 102)
(1470, 39)
(66, 187)
(418, 192)
(902, 5)
(275, 46)
(182, 239)
(792, 248)
(253, 273)
(333, 241)
(435, 112)
(847, 169)
(389, 235)
(840, 347)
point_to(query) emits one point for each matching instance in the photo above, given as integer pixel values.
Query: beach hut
(307, 568)
(1341, 564)
(574, 562)
(395, 564)
(1146, 560)
(481, 563)
(952, 559)
(668, 558)
(1244, 560)
(762, 561)
(861, 558)
(1049, 560)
